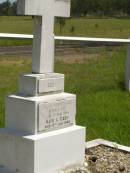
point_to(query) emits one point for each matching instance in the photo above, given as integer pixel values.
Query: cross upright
(44, 12)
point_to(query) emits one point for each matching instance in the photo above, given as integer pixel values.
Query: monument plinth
(40, 114)
(41, 84)
(40, 134)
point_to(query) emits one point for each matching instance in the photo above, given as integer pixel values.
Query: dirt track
(63, 49)
(27, 50)
(15, 50)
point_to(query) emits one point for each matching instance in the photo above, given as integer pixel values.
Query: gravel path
(103, 159)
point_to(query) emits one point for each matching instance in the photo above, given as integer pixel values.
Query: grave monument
(40, 135)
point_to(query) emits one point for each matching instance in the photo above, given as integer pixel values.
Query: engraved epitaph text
(56, 115)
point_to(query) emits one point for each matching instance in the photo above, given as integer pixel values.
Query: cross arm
(59, 8)
(62, 8)
(32, 7)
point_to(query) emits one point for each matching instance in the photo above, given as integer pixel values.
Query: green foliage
(102, 102)
(61, 22)
(8, 9)
(18, 25)
(101, 7)
(111, 27)
(83, 8)
(114, 28)
(72, 29)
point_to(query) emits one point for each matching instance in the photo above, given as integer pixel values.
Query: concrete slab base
(98, 142)
(42, 153)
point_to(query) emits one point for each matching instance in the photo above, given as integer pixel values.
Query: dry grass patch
(77, 58)
(13, 60)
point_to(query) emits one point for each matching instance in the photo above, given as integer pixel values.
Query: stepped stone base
(40, 114)
(42, 153)
(39, 84)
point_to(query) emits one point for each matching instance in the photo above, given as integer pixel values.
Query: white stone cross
(43, 43)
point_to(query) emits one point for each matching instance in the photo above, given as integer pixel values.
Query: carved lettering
(56, 115)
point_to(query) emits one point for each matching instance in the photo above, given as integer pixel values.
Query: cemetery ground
(96, 76)
(110, 27)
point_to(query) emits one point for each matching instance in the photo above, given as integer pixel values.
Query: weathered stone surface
(43, 42)
(38, 84)
(47, 152)
(40, 134)
(42, 113)
(55, 115)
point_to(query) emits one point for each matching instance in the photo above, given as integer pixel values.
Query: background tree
(82, 8)
(8, 9)
(61, 22)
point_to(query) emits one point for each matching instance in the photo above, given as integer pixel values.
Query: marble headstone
(40, 134)
(43, 43)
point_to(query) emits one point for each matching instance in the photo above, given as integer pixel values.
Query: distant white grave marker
(43, 44)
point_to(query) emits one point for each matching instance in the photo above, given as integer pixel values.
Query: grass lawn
(116, 28)
(96, 76)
